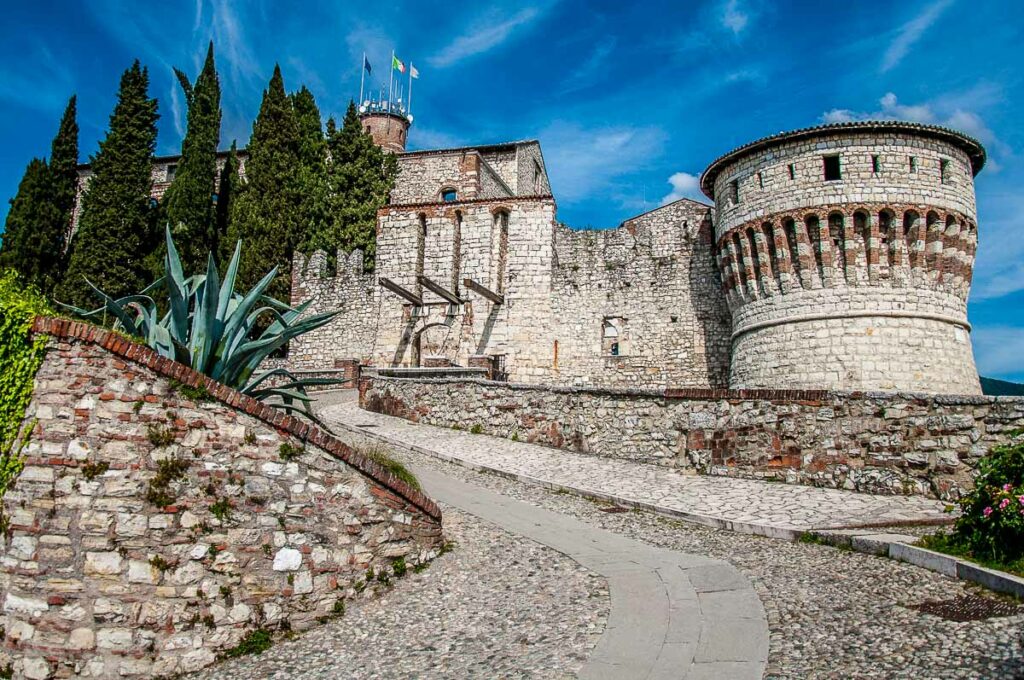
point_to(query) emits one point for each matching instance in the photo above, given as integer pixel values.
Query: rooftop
(969, 145)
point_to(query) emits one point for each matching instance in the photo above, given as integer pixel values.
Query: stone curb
(899, 547)
(121, 346)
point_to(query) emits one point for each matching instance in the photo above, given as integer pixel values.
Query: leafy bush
(218, 332)
(992, 523)
(990, 528)
(20, 358)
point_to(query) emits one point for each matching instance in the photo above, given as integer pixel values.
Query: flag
(366, 64)
(413, 73)
(397, 64)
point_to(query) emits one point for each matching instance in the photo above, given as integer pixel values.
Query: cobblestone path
(748, 506)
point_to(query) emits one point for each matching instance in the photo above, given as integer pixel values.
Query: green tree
(360, 177)
(37, 225)
(115, 229)
(187, 204)
(227, 187)
(267, 212)
(25, 248)
(313, 159)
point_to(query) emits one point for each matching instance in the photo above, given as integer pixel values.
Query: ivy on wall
(20, 358)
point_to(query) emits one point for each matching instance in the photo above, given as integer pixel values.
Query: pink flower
(987, 512)
(1021, 499)
(1003, 503)
(1007, 487)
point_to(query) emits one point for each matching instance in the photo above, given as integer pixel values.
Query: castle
(835, 257)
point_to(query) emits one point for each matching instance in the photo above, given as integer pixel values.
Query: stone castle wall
(859, 282)
(889, 443)
(104, 572)
(654, 281)
(655, 276)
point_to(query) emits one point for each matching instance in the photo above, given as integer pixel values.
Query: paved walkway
(673, 615)
(749, 506)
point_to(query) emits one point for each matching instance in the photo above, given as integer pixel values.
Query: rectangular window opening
(944, 170)
(792, 171)
(831, 167)
(734, 192)
(913, 164)
(876, 165)
(760, 180)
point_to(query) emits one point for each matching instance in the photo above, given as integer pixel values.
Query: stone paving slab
(748, 506)
(673, 615)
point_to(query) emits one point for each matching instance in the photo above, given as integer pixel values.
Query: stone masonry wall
(889, 443)
(106, 571)
(655, 279)
(854, 282)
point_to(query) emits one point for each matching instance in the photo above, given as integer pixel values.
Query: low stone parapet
(889, 443)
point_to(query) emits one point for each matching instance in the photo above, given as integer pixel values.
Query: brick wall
(100, 577)
(889, 443)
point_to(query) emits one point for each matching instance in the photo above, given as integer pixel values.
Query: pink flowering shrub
(991, 526)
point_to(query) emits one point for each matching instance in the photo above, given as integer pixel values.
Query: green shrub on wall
(20, 357)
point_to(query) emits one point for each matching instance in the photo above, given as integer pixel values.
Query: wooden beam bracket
(486, 292)
(438, 290)
(401, 292)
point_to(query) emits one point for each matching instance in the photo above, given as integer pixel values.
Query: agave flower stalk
(215, 330)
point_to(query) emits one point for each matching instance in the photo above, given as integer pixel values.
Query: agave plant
(216, 331)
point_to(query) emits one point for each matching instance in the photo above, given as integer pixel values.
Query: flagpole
(391, 85)
(362, 78)
(408, 102)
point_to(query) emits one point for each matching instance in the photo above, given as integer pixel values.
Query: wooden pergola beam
(438, 290)
(401, 292)
(472, 285)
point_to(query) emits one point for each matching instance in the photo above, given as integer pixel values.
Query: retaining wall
(105, 571)
(888, 443)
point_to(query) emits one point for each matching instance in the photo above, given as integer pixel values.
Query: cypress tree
(266, 214)
(115, 229)
(64, 173)
(227, 187)
(313, 159)
(37, 226)
(188, 204)
(32, 211)
(361, 176)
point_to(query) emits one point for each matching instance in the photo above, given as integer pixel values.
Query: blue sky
(629, 100)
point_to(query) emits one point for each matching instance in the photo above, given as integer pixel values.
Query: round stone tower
(390, 130)
(846, 254)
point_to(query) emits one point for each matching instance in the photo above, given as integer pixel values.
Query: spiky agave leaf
(211, 327)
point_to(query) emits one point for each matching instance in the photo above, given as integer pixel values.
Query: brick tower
(846, 254)
(387, 124)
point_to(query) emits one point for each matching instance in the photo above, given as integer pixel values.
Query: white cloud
(911, 32)
(584, 74)
(428, 138)
(232, 45)
(734, 17)
(588, 161)
(684, 185)
(999, 350)
(946, 110)
(177, 111)
(485, 36)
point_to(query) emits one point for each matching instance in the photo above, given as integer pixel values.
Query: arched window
(612, 340)
(449, 195)
(813, 226)
(885, 236)
(835, 230)
(862, 235)
(792, 243)
(501, 243)
(910, 236)
(769, 242)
